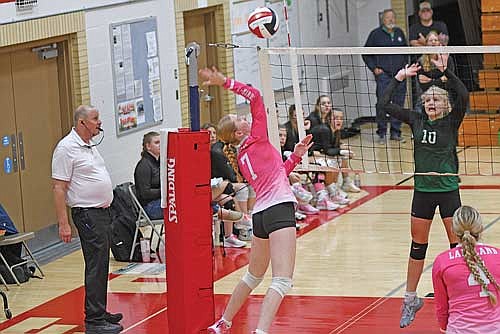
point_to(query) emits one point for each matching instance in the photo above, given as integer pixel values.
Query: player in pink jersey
(466, 280)
(273, 218)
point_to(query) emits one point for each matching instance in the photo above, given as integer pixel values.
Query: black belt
(79, 209)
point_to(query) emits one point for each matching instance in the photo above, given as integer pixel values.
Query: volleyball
(263, 22)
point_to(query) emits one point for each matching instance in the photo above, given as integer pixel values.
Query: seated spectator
(318, 123)
(341, 152)
(147, 176)
(221, 200)
(302, 195)
(292, 130)
(466, 279)
(6, 224)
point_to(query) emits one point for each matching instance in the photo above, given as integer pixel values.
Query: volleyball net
(298, 76)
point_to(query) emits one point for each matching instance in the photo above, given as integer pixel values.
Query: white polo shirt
(83, 167)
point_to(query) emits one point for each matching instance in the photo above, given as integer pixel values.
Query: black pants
(94, 230)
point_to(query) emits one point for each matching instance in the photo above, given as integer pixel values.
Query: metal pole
(192, 52)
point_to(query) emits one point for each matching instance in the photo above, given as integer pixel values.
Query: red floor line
(327, 216)
(358, 316)
(238, 258)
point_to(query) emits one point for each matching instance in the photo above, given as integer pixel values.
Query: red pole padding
(188, 228)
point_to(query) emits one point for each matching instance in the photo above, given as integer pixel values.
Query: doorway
(34, 98)
(199, 27)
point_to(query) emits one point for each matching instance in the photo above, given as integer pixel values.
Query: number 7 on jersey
(245, 160)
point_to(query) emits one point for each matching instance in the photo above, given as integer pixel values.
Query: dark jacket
(390, 63)
(220, 165)
(314, 118)
(436, 76)
(6, 223)
(147, 179)
(418, 28)
(292, 137)
(325, 140)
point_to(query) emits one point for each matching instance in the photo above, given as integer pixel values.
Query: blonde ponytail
(467, 225)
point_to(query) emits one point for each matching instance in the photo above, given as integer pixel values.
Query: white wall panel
(122, 153)
(8, 11)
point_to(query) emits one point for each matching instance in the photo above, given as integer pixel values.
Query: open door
(199, 27)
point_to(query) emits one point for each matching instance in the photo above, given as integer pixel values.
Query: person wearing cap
(425, 25)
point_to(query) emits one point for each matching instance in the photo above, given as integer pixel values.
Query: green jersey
(434, 141)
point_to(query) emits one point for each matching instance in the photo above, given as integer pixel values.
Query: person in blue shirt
(384, 67)
(6, 223)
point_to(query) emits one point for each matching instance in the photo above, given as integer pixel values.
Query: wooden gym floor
(349, 277)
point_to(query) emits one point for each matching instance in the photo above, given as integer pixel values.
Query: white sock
(258, 331)
(410, 296)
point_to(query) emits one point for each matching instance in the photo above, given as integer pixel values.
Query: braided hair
(226, 130)
(467, 225)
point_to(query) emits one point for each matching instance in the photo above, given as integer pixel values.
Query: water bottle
(145, 250)
(162, 254)
(357, 180)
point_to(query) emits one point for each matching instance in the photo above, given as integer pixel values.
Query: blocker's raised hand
(441, 62)
(212, 77)
(408, 71)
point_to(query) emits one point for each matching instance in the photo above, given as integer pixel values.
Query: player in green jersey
(435, 134)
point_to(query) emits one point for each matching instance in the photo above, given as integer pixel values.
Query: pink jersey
(461, 307)
(259, 161)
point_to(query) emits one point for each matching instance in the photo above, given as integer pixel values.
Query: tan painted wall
(72, 24)
(399, 6)
(225, 56)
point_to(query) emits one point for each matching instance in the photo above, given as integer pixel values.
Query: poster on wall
(136, 74)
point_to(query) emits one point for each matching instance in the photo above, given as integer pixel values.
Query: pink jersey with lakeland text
(259, 161)
(461, 306)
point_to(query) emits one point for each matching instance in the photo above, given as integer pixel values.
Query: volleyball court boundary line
(361, 314)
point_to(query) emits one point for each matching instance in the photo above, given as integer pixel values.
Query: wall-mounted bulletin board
(136, 74)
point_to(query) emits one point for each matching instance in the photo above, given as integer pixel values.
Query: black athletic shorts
(272, 219)
(424, 204)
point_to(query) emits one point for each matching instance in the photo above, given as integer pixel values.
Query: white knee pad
(251, 280)
(241, 195)
(281, 285)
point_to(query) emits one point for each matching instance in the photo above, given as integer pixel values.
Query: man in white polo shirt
(81, 181)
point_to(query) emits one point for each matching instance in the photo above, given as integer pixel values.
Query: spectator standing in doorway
(384, 67)
(425, 24)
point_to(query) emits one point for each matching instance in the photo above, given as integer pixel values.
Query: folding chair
(143, 220)
(15, 239)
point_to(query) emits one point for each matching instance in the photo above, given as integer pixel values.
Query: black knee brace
(418, 251)
(230, 205)
(229, 190)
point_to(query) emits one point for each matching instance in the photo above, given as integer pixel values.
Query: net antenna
(285, 14)
(299, 75)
